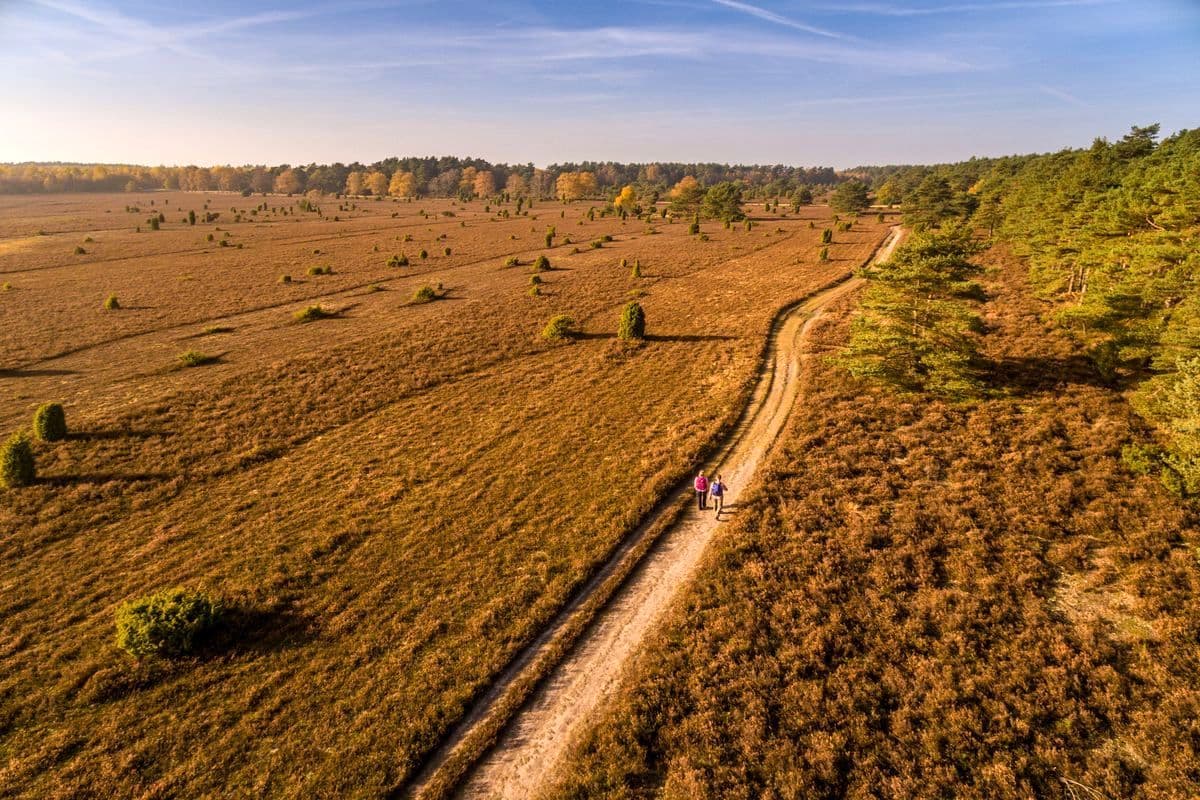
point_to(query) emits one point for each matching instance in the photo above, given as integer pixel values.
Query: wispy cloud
(896, 10)
(778, 19)
(1066, 97)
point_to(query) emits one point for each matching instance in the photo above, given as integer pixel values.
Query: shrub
(191, 218)
(445, 251)
(311, 314)
(425, 294)
(1141, 459)
(423, 254)
(50, 422)
(88, 240)
(512, 261)
(398, 261)
(16, 462)
(827, 236)
(111, 303)
(168, 623)
(79, 251)
(637, 269)
(824, 254)
(535, 291)
(624, 263)
(542, 263)
(559, 327)
(694, 228)
(285, 278)
(194, 358)
(633, 322)
(597, 244)
(154, 223)
(211, 237)
(325, 270)
(549, 240)
(535, 280)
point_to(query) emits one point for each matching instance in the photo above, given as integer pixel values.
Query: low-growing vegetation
(559, 328)
(167, 624)
(17, 466)
(312, 314)
(50, 422)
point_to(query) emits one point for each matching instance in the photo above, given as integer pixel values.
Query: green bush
(694, 228)
(50, 422)
(512, 261)
(16, 462)
(285, 278)
(535, 280)
(79, 251)
(325, 270)
(824, 254)
(423, 254)
(558, 328)
(111, 303)
(827, 236)
(1141, 459)
(400, 260)
(445, 251)
(535, 291)
(194, 358)
(637, 268)
(312, 313)
(542, 263)
(633, 322)
(168, 623)
(425, 294)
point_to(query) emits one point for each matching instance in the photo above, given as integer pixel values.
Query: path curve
(534, 742)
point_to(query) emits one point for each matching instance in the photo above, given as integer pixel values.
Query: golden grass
(396, 500)
(885, 616)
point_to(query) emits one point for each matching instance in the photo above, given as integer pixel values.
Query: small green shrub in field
(812, 226)
(400, 260)
(111, 303)
(424, 294)
(325, 270)
(194, 358)
(549, 240)
(633, 322)
(694, 228)
(512, 261)
(559, 327)
(597, 244)
(88, 240)
(50, 422)
(749, 225)
(17, 467)
(1141, 459)
(624, 263)
(1173, 482)
(154, 223)
(312, 313)
(827, 236)
(168, 623)
(535, 280)
(704, 237)
(445, 251)
(79, 251)
(211, 237)
(637, 268)
(7, 287)
(606, 238)
(285, 278)
(824, 254)
(542, 263)
(424, 254)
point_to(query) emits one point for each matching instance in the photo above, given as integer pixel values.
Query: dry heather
(392, 501)
(924, 600)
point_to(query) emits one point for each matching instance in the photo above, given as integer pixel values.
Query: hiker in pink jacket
(701, 484)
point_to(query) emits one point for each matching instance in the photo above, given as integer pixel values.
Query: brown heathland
(394, 499)
(926, 600)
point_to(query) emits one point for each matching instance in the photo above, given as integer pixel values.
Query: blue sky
(829, 82)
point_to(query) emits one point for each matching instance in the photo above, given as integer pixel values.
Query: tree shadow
(1032, 375)
(103, 477)
(110, 435)
(247, 628)
(35, 373)
(689, 337)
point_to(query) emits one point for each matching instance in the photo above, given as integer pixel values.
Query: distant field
(396, 497)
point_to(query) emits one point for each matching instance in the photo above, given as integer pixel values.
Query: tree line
(1111, 236)
(413, 177)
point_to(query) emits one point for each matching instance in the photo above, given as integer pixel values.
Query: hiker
(717, 490)
(701, 485)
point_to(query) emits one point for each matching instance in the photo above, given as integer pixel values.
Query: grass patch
(313, 313)
(195, 358)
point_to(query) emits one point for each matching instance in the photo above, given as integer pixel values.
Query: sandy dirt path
(536, 739)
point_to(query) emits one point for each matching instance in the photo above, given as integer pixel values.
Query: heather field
(391, 500)
(925, 598)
